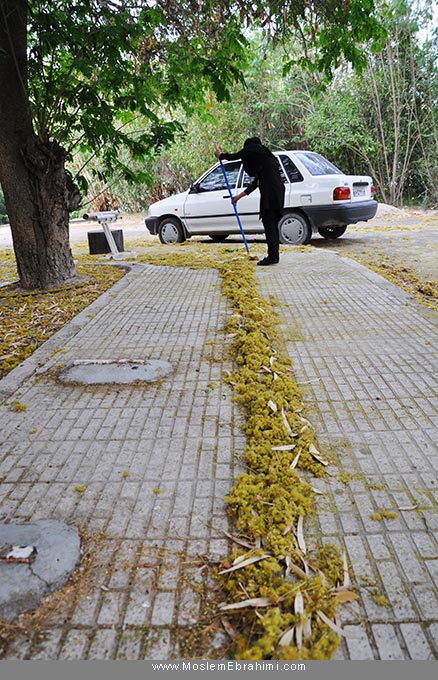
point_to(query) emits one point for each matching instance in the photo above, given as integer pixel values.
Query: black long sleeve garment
(259, 162)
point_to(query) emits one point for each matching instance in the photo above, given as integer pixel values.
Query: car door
(292, 180)
(249, 206)
(296, 194)
(208, 208)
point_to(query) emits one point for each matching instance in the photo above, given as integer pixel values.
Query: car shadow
(231, 240)
(334, 242)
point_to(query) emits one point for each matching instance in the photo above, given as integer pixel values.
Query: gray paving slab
(142, 469)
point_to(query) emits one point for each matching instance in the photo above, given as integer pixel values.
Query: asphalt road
(408, 238)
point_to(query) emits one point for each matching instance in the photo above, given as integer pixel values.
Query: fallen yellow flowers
(297, 588)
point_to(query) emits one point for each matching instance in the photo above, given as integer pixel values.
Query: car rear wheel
(332, 232)
(171, 231)
(294, 229)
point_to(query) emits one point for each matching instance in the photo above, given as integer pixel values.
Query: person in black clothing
(261, 164)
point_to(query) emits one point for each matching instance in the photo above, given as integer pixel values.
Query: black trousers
(270, 220)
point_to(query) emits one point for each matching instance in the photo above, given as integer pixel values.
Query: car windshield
(317, 164)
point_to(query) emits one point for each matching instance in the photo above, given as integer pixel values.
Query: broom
(236, 212)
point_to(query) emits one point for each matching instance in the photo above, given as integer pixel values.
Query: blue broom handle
(234, 205)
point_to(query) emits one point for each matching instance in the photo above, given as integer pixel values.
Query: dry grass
(31, 317)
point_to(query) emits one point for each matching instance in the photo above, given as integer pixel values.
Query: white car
(318, 198)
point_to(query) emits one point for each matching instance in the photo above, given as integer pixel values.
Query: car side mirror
(194, 189)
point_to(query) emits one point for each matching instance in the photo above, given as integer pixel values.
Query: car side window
(288, 171)
(246, 180)
(291, 169)
(215, 180)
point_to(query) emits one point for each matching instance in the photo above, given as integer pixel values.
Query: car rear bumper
(346, 213)
(151, 224)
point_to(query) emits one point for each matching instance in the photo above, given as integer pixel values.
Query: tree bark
(38, 191)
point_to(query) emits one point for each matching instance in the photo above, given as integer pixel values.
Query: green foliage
(351, 25)
(339, 127)
(3, 213)
(385, 121)
(382, 122)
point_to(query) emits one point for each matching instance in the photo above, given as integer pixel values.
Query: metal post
(109, 237)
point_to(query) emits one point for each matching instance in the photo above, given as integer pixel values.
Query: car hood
(171, 203)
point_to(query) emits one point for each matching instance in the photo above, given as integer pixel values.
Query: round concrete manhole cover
(115, 372)
(35, 559)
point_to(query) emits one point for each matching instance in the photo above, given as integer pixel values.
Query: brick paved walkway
(157, 460)
(175, 439)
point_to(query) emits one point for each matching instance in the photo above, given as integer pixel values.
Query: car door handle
(227, 196)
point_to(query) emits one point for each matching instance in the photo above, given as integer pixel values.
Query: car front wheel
(171, 231)
(294, 230)
(332, 232)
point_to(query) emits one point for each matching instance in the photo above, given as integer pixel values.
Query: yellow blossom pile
(281, 597)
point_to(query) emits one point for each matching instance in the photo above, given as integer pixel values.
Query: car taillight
(341, 193)
(373, 190)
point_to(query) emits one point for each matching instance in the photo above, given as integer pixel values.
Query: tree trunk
(38, 192)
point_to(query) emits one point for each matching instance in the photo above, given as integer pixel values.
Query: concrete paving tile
(74, 645)
(129, 647)
(102, 645)
(358, 644)
(158, 644)
(359, 556)
(426, 599)
(432, 632)
(426, 545)
(163, 613)
(19, 649)
(168, 577)
(374, 611)
(413, 569)
(86, 609)
(432, 567)
(48, 647)
(379, 547)
(398, 592)
(112, 608)
(189, 608)
(122, 562)
(430, 519)
(416, 641)
(138, 608)
(387, 642)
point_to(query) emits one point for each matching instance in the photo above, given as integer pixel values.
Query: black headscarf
(254, 154)
(261, 164)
